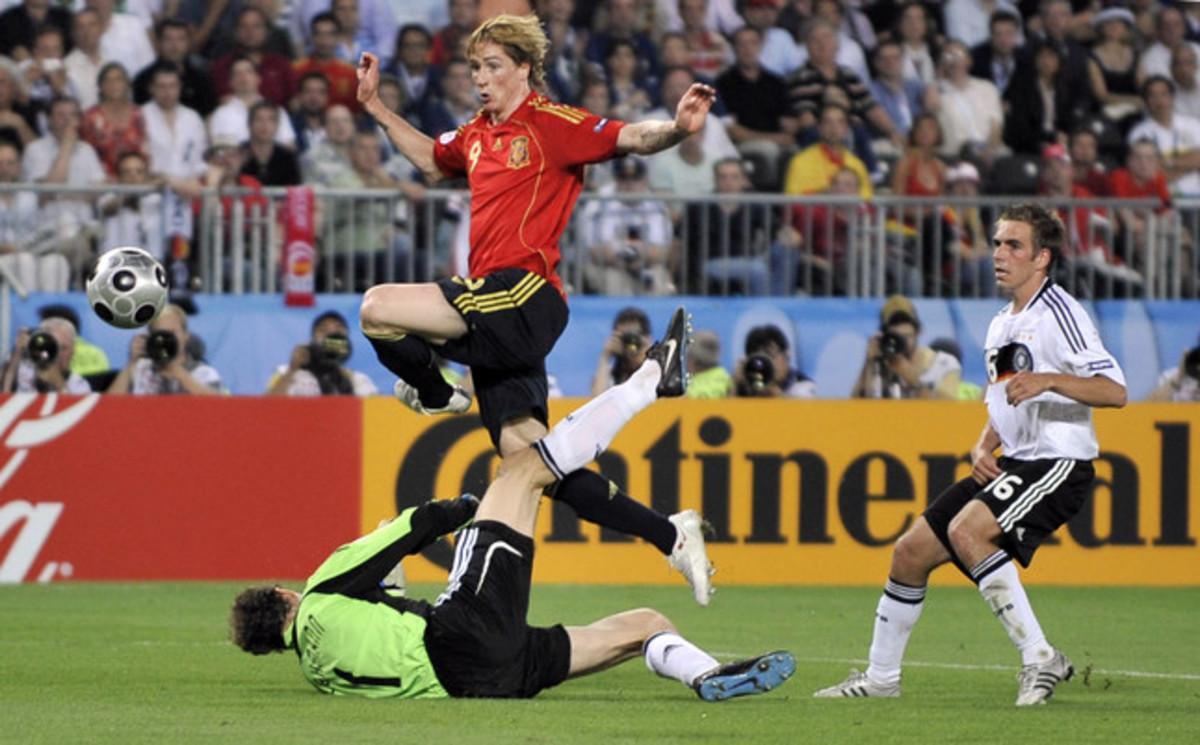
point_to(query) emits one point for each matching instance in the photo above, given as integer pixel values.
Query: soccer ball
(127, 288)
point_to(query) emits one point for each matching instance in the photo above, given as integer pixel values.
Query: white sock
(897, 613)
(1005, 595)
(585, 433)
(672, 656)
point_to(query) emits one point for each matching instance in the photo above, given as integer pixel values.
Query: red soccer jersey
(525, 175)
(1124, 186)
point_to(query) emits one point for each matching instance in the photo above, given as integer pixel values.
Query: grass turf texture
(150, 663)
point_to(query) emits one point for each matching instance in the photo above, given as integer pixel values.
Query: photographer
(766, 370)
(41, 361)
(317, 368)
(897, 367)
(624, 351)
(159, 361)
(1181, 383)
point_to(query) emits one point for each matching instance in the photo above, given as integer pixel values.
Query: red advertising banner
(175, 487)
(299, 253)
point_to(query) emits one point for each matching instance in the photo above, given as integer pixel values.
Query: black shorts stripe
(1053, 479)
(366, 680)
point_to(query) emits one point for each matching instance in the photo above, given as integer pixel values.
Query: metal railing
(624, 243)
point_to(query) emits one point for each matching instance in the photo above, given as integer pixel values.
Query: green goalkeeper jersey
(352, 637)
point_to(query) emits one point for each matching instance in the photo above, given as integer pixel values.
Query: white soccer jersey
(1053, 334)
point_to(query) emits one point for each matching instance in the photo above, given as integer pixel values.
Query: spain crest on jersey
(518, 153)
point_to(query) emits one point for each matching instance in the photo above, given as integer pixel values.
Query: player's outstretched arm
(409, 140)
(1096, 390)
(647, 138)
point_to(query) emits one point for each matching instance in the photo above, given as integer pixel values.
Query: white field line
(1002, 668)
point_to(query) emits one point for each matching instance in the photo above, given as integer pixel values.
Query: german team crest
(518, 152)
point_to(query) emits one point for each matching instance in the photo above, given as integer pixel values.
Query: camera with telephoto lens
(1191, 364)
(161, 347)
(42, 349)
(760, 373)
(631, 342)
(331, 351)
(892, 345)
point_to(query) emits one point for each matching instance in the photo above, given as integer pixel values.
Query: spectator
(360, 33)
(920, 173)
(274, 81)
(1177, 136)
(1182, 382)
(122, 36)
(411, 65)
(279, 41)
(1187, 84)
(630, 96)
(684, 171)
(708, 52)
(174, 41)
(1112, 68)
(328, 162)
(811, 170)
(88, 359)
(829, 232)
(457, 104)
(375, 18)
(83, 63)
(973, 21)
(728, 242)
(464, 17)
(20, 233)
(18, 120)
(565, 65)
(60, 158)
(997, 57)
(1055, 17)
(175, 134)
(20, 24)
(1090, 173)
(308, 120)
(41, 362)
(809, 86)
(1038, 104)
(623, 351)
(780, 55)
(766, 370)
(897, 366)
(759, 120)
(968, 232)
(902, 98)
(966, 391)
(623, 26)
(918, 40)
(1171, 30)
(44, 74)
(160, 362)
(967, 108)
(849, 52)
(675, 82)
(391, 93)
(852, 23)
(115, 125)
(708, 379)
(628, 242)
(339, 76)
(318, 367)
(266, 160)
(719, 15)
(132, 219)
(1141, 178)
(231, 119)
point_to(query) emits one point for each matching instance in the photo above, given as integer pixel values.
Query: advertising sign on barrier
(809, 492)
(174, 487)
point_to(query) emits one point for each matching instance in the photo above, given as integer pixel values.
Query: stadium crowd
(1071, 99)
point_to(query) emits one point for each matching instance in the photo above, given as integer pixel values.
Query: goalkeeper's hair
(256, 622)
(521, 37)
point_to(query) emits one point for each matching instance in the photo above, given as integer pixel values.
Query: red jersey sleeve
(576, 136)
(449, 155)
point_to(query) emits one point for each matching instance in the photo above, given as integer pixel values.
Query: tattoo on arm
(653, 137)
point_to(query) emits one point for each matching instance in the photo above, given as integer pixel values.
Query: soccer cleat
(671, 355)
(1036, 682)
(688, 555)
(746, 677)
(460, 400)
(859, 686)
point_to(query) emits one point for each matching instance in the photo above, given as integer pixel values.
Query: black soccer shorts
(514, 317)
(1030, 499)
(477, 636)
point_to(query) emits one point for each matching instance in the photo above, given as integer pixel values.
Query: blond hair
(522, 38)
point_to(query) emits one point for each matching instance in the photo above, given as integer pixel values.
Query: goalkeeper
(355, 638)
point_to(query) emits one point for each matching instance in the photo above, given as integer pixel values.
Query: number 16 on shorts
(1003, 485)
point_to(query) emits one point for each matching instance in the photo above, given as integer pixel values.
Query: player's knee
(911, 555)
(962, 531)
(525, 466)
(651, 622)
(370, 313)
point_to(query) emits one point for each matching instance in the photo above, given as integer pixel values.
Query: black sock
(590, 495)
(411, 359)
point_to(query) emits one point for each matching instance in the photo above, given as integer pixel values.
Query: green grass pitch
(122, 663)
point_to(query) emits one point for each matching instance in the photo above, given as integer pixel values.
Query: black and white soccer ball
(127, 288)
